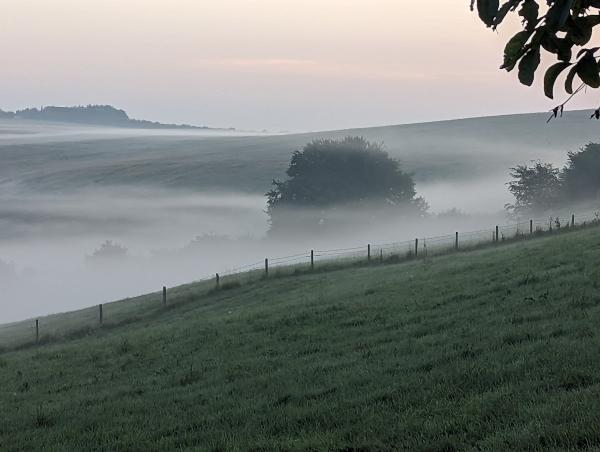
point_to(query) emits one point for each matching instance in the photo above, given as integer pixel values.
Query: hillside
(447, 151)
(487, 350)
(102, 115)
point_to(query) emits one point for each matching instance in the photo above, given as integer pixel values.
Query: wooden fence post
(381, 255)
(456, 242)
(572, 220)
(416, 247)
(37, 331)
(100, 313)
(530, 227)
(312, 259)
(497, 234)
(217, 280)
(369, 253)
(164, 295)
(266, 268)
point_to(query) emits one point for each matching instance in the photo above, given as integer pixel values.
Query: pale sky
(261, 64)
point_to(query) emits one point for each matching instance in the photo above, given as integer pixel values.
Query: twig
(560, 108)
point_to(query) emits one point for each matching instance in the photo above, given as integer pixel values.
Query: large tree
(536, 188)
(581, 175)
(562, 28)
(330, 176)
(542, 187)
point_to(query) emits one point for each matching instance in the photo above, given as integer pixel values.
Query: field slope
(39, 159)
(493, 349)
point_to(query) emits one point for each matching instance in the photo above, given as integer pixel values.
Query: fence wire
(78, 322)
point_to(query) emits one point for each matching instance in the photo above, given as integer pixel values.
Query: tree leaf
(592, 20)
(529, 12)
(561, 47)
(528, 65)
(557, 15)
(564, 50)
(487, 10)
(587, 70)
(503, 11)
(515, 48)
(579, 30)
(569, 80)
(551, 75)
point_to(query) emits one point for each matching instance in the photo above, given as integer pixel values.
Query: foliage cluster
(329, 175)
(542, 187)
(109, 250)
(562, 28)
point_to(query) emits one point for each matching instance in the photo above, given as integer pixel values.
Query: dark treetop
(351, 173)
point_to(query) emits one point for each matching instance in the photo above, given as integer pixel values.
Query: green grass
(495, 349)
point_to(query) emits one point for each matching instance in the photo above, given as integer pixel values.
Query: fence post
(497, 235)
(381, 255)
(37, 331)
(456, 242)
(312, 259)
(369, 253)
(530, 227)
(416, 247)
(266, 268)
(217, 280)
(164, 295)
(572, 220)
(100, 313)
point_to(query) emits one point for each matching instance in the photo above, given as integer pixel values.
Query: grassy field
(495, 349)
(456, 150)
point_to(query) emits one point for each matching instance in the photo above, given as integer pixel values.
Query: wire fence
(407, 249)
(84, 321)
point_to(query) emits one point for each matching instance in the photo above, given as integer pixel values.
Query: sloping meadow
(470, 350)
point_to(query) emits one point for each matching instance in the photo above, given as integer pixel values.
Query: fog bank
(47, 241)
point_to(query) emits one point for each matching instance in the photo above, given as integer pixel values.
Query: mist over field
(172, 237)
(188, 204)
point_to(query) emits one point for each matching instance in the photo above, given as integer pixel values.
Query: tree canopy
(536, 188)
(351, 172)
(542, 187)
(581, 175)
(562, 28)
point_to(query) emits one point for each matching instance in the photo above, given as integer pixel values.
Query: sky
(280, 65)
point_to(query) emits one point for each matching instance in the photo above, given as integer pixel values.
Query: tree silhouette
(562, 28)
(327, 174)
(536, 188)
(581, 175)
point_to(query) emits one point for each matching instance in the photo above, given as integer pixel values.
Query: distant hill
(454, 152)
(103, 115)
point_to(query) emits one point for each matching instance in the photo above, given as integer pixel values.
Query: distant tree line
(541, 187)
(91, 114)
(109, 250)
(105, 115)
